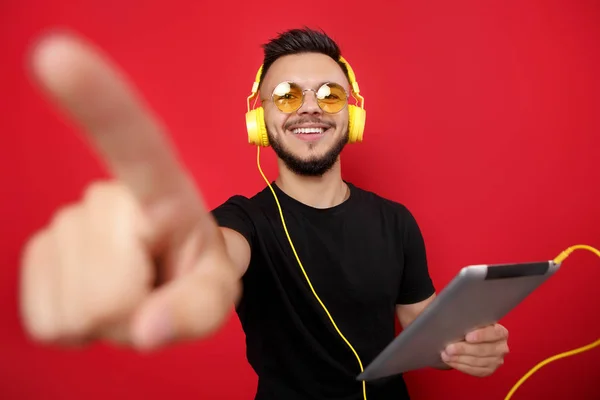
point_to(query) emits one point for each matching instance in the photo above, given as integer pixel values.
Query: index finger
(98, 98)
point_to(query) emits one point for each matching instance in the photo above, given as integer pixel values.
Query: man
(140, 261)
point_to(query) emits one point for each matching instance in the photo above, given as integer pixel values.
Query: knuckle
(76, 328)
(481, 362)
(34, 246)
(458, 348)
(37, 324)
(40, 329)
(94, 190)
(484, 351)
(108, 199)
(82, 318)
(99, 190)
(503, 348)
(64, 331)
(53, 331)
(65, 216)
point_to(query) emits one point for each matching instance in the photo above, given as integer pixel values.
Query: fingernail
(471, 336)
(445, 356)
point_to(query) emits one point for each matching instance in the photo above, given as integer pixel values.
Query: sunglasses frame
(304, 97)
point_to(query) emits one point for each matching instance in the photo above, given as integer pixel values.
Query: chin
(314, 157)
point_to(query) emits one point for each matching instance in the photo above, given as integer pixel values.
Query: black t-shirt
(363, 257)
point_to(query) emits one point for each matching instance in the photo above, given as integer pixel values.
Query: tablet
(478, 295)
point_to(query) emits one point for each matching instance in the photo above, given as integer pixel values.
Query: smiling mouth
(311, 134)
(308, 131)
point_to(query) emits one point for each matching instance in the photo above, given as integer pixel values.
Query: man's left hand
(481, 353)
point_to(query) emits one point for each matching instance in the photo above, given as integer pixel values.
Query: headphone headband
(353, 83)
(351, 76)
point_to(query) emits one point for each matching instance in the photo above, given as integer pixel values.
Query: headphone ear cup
(356, 123)
(257, 131)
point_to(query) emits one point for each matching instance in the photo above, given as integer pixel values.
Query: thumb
(193, 306)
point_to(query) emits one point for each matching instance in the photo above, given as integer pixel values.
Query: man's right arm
(235, 222)
(138, 260)
(238, 249)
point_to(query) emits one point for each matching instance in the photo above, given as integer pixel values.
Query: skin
(309, 71)
(139, 258)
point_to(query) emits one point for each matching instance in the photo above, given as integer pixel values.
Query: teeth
(308, 130)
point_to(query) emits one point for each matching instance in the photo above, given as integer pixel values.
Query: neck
(324, 191)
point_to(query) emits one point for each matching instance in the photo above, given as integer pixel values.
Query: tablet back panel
(479, 295)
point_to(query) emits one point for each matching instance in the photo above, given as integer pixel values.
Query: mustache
(308, 120)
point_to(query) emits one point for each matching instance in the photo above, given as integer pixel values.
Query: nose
(310, 105)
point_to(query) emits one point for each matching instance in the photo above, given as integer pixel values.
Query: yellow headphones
(255, 119)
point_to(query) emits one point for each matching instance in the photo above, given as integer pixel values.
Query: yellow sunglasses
(289, 97)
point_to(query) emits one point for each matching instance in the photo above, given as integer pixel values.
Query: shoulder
(242, 214)
(243, 204)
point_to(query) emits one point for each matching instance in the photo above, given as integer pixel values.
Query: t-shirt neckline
(288, 201)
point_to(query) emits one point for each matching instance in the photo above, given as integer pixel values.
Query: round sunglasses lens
(287, 97)
(332, 97)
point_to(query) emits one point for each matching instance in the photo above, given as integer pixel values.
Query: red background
(482, 119)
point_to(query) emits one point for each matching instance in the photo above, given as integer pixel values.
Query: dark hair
(296, 41)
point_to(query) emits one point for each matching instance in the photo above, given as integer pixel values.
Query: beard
(314, 166)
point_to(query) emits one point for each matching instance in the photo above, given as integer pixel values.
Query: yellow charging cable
(559, 259)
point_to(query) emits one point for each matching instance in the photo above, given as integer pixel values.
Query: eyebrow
(318, 85)
(324, 82)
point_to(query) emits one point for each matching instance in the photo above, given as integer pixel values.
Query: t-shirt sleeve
(235, 214)
(416, 284)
